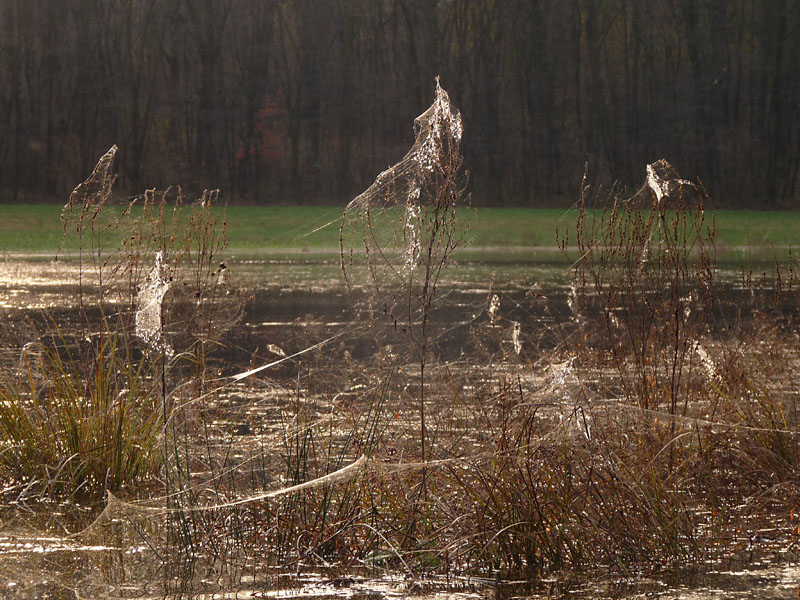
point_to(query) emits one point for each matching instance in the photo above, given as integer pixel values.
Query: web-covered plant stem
(404, 260)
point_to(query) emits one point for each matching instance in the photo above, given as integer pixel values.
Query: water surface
(295, 302)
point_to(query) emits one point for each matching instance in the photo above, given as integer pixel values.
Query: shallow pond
(293, 303)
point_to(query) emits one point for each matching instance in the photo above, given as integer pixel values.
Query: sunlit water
(294, 303)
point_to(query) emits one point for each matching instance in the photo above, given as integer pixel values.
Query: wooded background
(306, 101)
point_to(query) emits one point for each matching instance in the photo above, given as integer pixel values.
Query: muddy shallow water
(294, 303)
(54, 567)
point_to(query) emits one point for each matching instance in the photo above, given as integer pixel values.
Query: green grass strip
(254, 229)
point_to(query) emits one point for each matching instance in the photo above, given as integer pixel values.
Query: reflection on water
(295, 303)
(57, 568)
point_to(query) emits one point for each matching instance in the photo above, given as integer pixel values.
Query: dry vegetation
(657, 424)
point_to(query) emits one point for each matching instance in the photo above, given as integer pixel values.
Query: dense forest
(307, 100)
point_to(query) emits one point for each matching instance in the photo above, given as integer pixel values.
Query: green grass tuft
(79, 417)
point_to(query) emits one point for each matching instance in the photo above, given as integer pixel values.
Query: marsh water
(294, 302)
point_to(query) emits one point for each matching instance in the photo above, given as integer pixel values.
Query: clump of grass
(559, 494)
(86, 410)
(78, 413)
(79, 417)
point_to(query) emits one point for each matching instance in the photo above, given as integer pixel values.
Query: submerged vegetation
(651, 420)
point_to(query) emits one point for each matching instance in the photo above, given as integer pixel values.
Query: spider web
(663, 183)
(149, 325)
(436, 131)
(405, 218)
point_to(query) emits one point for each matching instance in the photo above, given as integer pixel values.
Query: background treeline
(307, 100)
